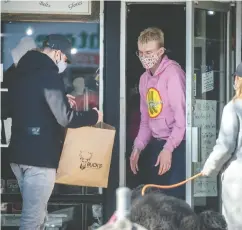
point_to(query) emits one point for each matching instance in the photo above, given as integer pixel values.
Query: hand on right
(100, 115)
(204, 173)
(72, 101)
(134, 159)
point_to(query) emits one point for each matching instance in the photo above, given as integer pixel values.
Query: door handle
(196, 144)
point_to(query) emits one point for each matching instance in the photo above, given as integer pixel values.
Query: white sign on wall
(47, 7)
(207, 81)
(205, 118)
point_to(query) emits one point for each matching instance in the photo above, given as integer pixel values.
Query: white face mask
(61, 66)
(149, 61)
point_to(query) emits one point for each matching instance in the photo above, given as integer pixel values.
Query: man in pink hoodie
(162, 107)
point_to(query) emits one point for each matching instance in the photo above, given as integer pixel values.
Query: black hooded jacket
(40, 111)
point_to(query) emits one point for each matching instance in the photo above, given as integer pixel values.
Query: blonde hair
(238, 91)
(152, 34)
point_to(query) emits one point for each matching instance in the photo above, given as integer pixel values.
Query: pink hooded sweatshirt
(162, 106)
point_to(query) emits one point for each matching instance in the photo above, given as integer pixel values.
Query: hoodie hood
(165, 62)
(34, 61)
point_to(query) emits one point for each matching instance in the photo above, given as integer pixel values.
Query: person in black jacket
(40, 111)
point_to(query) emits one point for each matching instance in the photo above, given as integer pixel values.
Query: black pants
(142, 177)
(177, 172)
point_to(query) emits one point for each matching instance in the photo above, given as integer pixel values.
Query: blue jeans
(36, 185)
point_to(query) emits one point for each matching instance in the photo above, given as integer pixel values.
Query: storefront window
(68, 217)
(81, 73)
(81, 79)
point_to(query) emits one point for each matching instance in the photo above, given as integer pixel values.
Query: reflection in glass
(60, 217)
(209, 95)
(80, 78)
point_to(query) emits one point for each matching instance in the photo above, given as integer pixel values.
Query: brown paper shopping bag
(86, 156)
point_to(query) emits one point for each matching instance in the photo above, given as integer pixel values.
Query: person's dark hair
(156, 211)
(210, 220)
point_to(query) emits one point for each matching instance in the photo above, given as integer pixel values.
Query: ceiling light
(211, 12)
(73, 51)
(29, 31)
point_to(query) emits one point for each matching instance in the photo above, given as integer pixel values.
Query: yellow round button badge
(154, 102)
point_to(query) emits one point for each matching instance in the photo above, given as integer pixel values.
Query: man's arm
(177, 101)
(55, 97)
(144, 134)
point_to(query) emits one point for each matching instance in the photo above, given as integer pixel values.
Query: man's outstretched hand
(164, 160)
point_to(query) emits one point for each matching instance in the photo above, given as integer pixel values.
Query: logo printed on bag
(86, 162)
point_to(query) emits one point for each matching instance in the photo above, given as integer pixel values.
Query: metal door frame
(122, 122)
(238, 31)
(189, 95)
(190, 6)
(191, 156)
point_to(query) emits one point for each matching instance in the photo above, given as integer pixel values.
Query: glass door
(206, 95)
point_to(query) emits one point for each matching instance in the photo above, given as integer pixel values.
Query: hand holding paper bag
(86, 156)
(100, 115)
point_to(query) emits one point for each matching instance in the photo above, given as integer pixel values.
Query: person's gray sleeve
(55, 97)
(226, 142)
